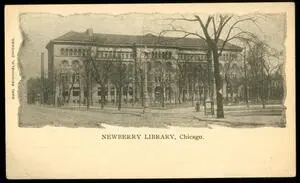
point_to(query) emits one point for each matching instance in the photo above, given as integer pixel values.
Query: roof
(129, 40)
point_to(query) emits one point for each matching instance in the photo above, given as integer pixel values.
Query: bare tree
(220, 25)
(101, 73)
(87, 78)
(119, 78)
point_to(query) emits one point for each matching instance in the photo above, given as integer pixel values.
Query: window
(164, 55)
(146, 54)
(66, 51)
(130, 91)
(234, 75)
(75, 77)
(100, 55)
(64, 77)
(112, 91)
(75, 52)
(62, 51)
(71, 52)
(76, 91)
(170, 55)
(99, 91)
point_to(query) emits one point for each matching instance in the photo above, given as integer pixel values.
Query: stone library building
(87, 66)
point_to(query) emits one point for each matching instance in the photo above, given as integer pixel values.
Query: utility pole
(42, 78)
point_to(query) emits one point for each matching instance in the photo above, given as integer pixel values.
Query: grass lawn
(39, 116)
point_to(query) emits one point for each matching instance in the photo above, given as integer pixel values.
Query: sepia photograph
(176, 69)
(199, 90)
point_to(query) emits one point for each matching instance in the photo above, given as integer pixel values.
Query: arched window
(75, 65)
(169, 66)
(75, 52)
(64, 63)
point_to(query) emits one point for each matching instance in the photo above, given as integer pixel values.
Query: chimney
(89, 32)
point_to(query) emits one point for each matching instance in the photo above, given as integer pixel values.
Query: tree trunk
(219, 95)
(142, 90)
(71, 88)
(102, 96)
(120, 98)
(179, 92)
(162, 96)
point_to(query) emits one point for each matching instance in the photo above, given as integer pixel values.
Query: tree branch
(230, 29)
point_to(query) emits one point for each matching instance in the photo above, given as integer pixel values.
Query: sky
(40, 28)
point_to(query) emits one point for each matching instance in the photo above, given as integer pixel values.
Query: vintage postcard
(150, 90)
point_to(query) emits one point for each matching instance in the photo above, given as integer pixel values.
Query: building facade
(85, 66)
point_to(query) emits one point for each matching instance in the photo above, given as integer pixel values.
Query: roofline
(136, 44)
